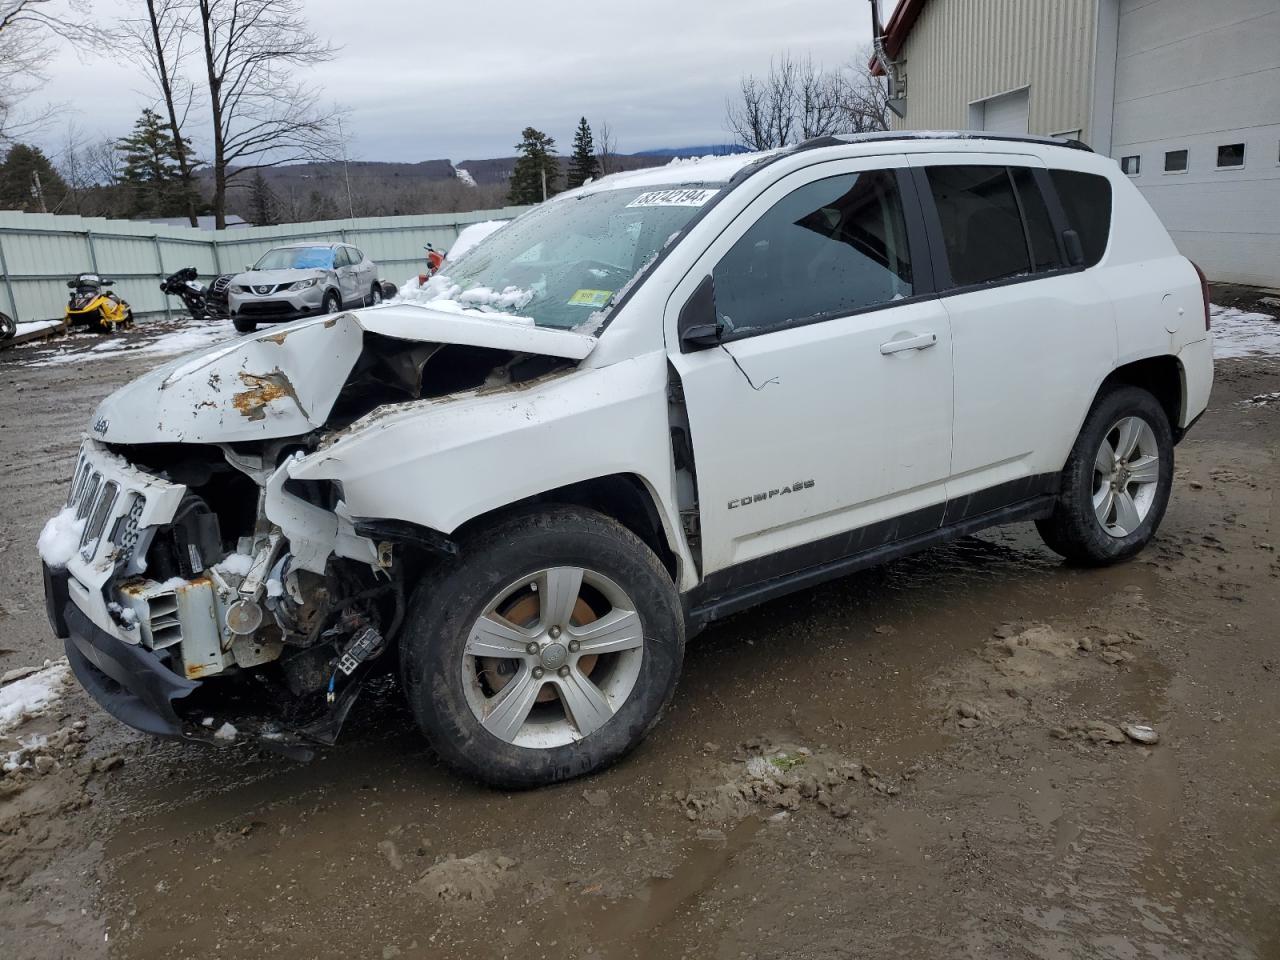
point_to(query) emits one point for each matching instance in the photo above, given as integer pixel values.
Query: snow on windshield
(564, 263)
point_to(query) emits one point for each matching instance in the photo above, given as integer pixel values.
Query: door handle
(922, 342)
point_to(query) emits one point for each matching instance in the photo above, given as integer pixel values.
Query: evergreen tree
(29, 182)
(583, 163)
(263, 209)
(537, 159)
(151, 169)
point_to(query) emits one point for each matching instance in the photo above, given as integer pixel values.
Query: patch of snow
(441, 293)
(32, 326)
(1262, 400)
(225, 732)
(33, 694)
(471, 235)
(1238, 334)
(465, 176)
(134, 344)
(237, 563)
(275, 588)
(60, 538)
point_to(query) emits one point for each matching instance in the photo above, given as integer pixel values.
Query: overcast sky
(460, 80)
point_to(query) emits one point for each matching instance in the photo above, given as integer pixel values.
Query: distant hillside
(714, 150)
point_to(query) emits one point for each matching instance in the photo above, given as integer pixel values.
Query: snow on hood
(283, 381)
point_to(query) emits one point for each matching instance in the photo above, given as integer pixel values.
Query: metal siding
(43, 251)
(965, 50)
(1192, 76)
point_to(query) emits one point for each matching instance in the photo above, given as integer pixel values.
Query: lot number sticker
(673, 198)
(591, 298)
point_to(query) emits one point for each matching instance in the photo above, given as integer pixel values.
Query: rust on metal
(262, 390)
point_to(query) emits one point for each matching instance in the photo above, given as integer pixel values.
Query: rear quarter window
(1086, 201)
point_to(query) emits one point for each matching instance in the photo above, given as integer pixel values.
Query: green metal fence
(40, 252)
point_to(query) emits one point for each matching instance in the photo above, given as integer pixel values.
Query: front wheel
(549, 650)
(1116, 483)
(331, 303)
(243, 326)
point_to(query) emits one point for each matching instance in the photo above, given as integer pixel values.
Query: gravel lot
(923, 760)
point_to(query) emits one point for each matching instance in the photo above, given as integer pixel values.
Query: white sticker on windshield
(673, 198)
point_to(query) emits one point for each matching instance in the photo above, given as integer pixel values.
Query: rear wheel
(549, 650)
(7, 326)
(1116, 484)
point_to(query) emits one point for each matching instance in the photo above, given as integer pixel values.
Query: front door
(821, 424)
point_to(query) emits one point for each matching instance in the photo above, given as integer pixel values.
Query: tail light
(1204, 292)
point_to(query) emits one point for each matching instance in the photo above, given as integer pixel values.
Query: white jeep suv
(644, 405)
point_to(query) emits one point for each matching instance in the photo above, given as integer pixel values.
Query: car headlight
(238, 288)
(304, 284)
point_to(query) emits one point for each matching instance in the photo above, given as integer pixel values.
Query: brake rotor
(524, 612)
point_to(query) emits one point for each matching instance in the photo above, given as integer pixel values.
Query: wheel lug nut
(555, 633)
(531, 648)
(563, 671)
(573, 646)
(537, 673)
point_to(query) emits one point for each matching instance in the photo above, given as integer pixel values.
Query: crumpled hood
(283, 382)
(273, 278)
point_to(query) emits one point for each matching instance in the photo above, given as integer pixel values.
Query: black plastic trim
(128, 681)
(756, 581)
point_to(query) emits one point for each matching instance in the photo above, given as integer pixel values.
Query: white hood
(283, 382)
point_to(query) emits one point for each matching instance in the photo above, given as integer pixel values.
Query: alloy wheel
(1126, 471)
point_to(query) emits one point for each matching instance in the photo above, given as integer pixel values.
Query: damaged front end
(204, 593)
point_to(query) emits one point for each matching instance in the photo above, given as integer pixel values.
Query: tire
(243, 326)
(375, 295)
(450, 686)
(1132, 423)
(7, 327)
(388, 289)
(331, 303)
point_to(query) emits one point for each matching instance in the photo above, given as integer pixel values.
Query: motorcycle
(94, 306)
(7, 326)
(193, 294)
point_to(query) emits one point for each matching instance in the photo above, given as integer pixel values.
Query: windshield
(564, 261)
(296, 258)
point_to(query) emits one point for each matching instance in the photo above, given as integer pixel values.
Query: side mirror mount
(698, 325)
(1075, 249)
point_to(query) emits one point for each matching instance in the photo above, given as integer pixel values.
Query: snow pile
(60, 538)
(34, 326)
(238, 564)
(1238, 334)
(441, 293)
(465, 176)
(470, 235)
(33, 694)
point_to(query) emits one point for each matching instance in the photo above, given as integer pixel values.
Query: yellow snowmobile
(94, 306)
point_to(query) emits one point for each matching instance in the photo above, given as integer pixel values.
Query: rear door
(1032, 336)
(821, 424)
(347, 276)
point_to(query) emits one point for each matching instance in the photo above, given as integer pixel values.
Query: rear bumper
(130, 682)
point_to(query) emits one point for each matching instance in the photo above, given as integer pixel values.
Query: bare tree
(864, 99)
(796, 100)
(163, 41)
(261, 117)
(27, 28)
(606, 147)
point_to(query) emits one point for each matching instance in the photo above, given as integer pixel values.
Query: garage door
(1006, 113)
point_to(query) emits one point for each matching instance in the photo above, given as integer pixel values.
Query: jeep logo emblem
(100, 425)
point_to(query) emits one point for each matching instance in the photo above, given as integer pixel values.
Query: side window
(981, 224)
(340, 258)
(356, 256)
(1086, 201)
(828, 248)
(1040, 232)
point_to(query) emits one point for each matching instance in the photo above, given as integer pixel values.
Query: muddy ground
(918, 761)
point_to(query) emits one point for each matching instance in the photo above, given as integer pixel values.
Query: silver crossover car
(300, 280)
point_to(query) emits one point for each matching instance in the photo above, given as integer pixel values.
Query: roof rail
(882, 135)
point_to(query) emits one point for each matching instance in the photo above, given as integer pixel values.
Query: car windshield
(296, 258)
(564, 261)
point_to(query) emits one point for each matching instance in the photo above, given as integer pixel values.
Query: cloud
(460, 80)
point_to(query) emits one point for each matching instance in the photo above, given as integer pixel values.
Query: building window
(1231, 155)
(1175, 161)
(1131, 165)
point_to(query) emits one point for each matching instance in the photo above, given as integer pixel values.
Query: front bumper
(277, 307)
(128, 681)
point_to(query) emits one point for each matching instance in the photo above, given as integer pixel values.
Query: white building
(1185, 94)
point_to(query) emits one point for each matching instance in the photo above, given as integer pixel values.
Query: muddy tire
(243, 326)
(1115, 486)
(548, 650)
